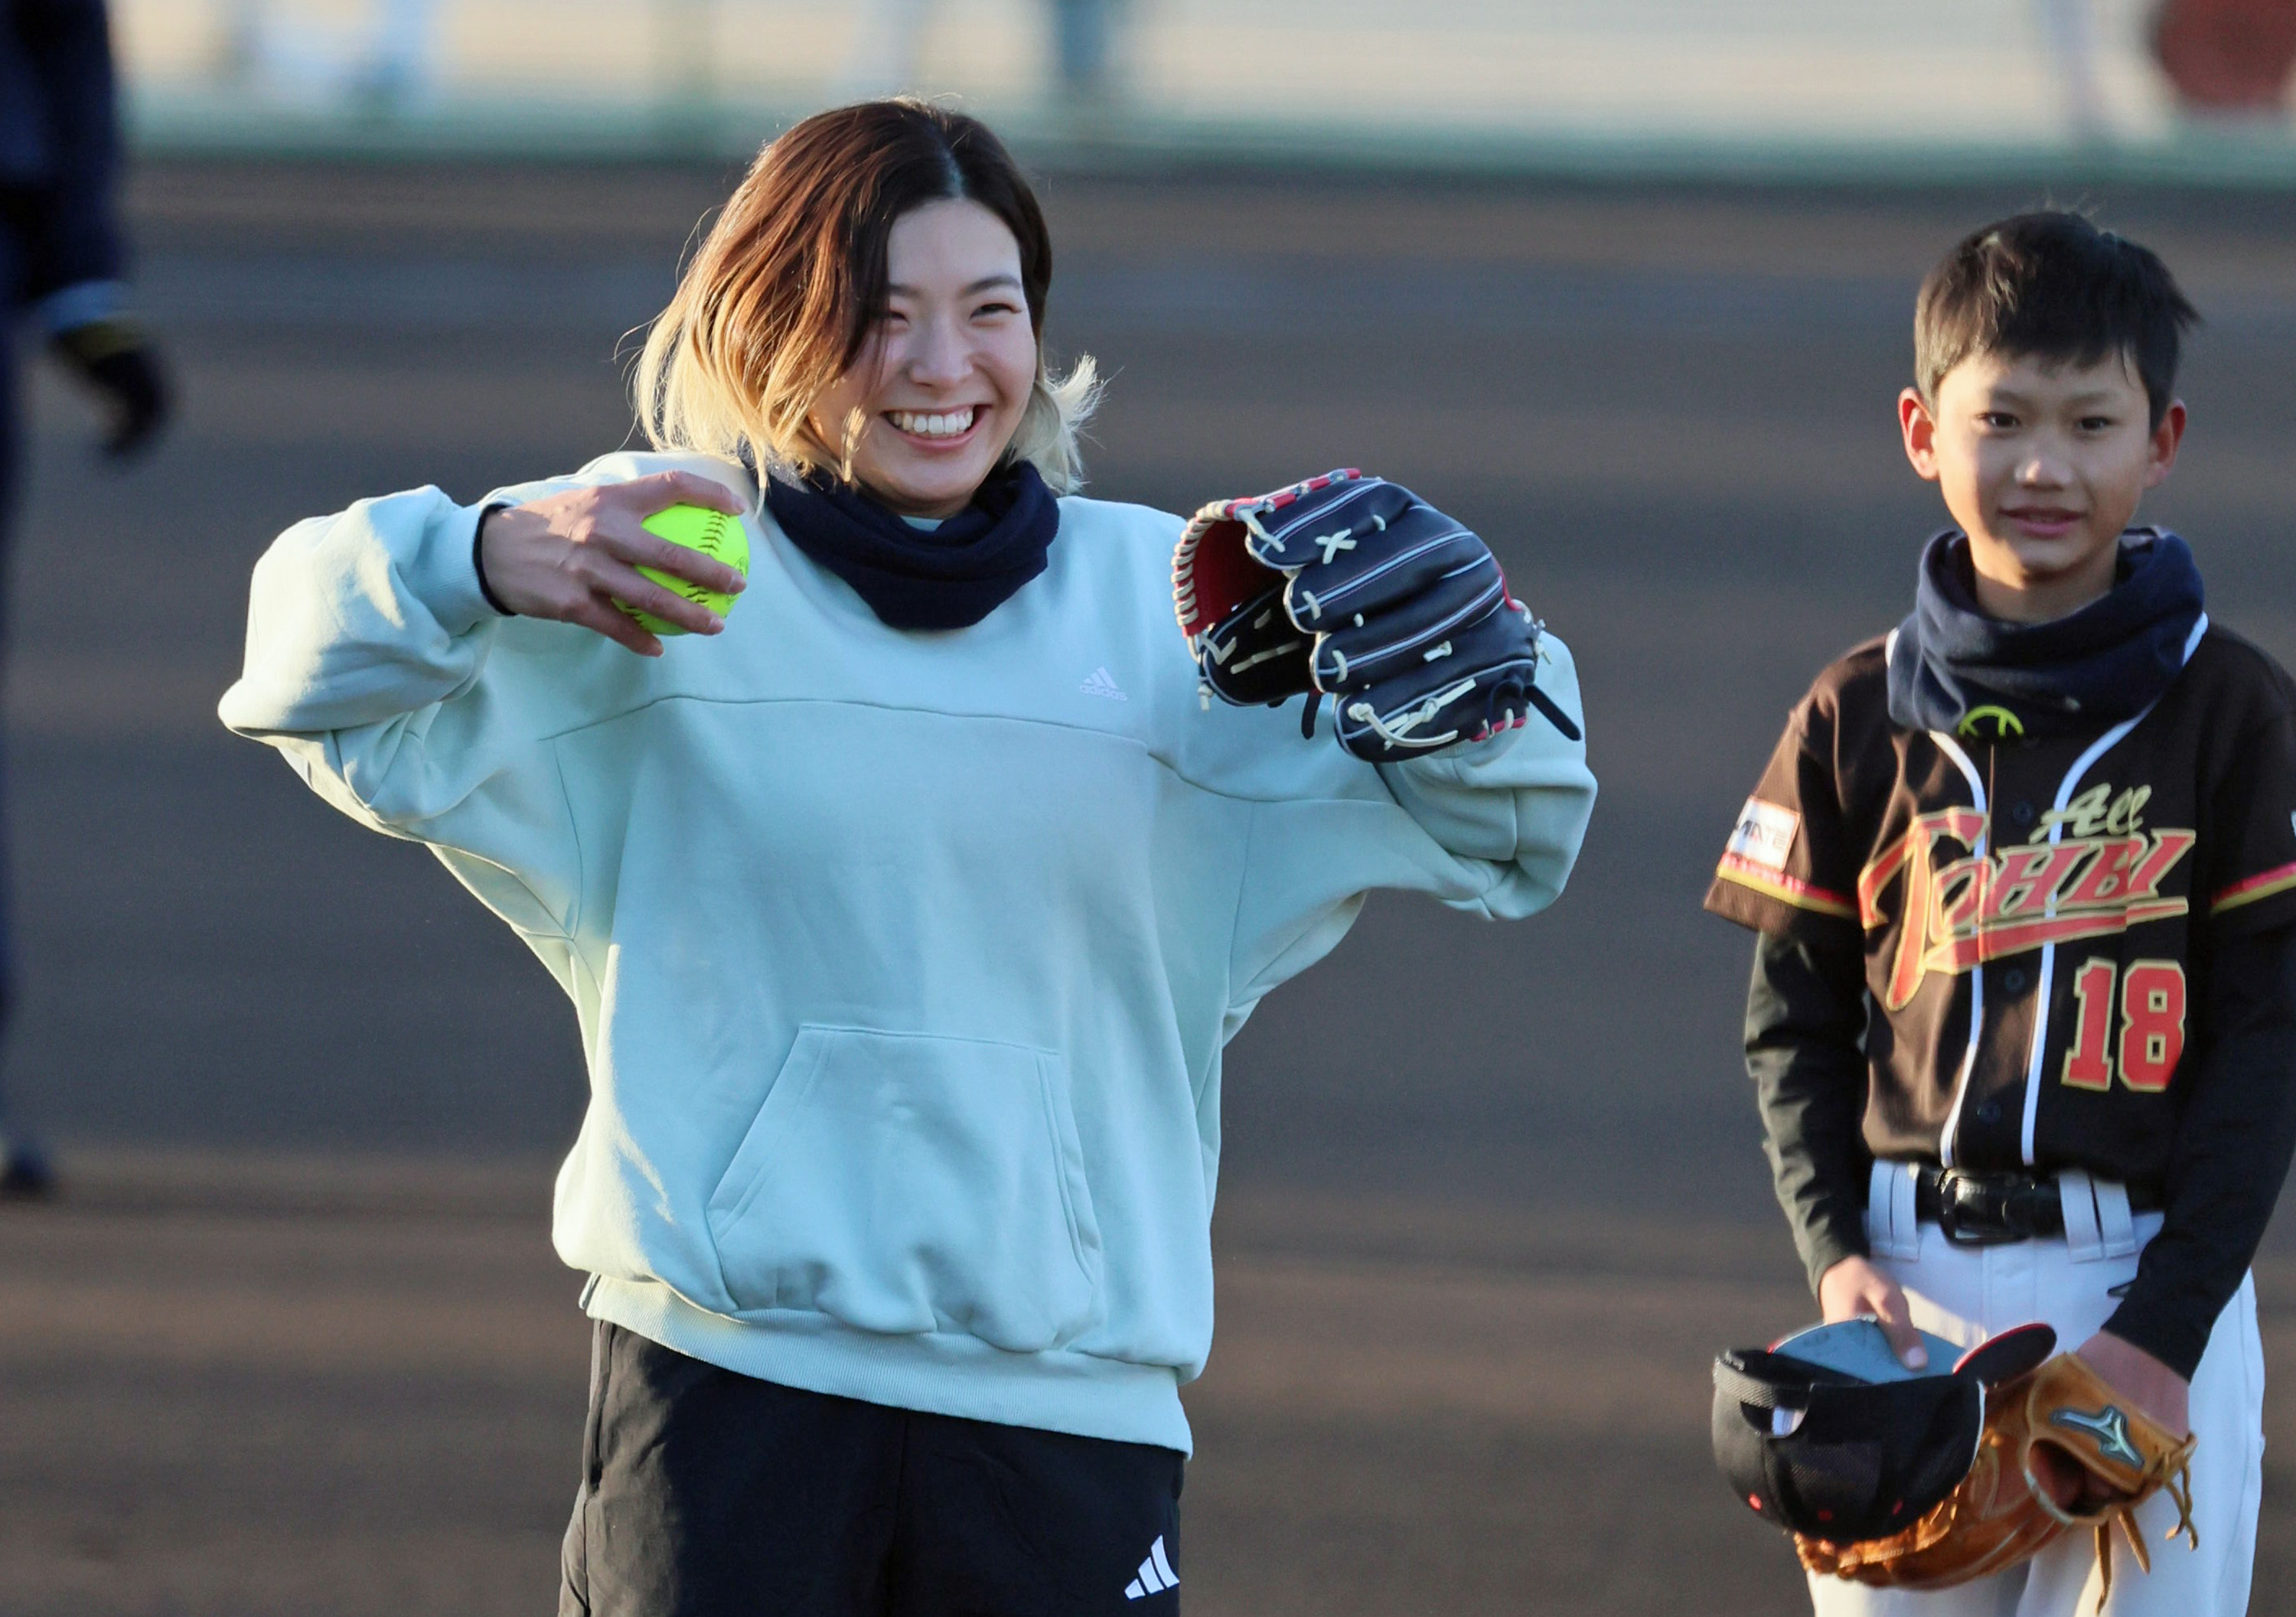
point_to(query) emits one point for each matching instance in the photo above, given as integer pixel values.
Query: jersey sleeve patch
(1765, 836)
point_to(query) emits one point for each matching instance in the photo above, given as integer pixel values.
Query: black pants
(708, 1494)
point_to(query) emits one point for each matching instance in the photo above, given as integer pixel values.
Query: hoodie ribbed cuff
(479, 560)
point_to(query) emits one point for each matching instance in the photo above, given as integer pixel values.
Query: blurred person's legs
(397, 65)
(887, 49)
(239, 40)
(1083, 32)
(24, 1168)
(2069, 26)
(386, 63)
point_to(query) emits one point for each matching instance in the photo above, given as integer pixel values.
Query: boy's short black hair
(2052, 286)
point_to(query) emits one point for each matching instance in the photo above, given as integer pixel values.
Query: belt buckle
(1996, 1226)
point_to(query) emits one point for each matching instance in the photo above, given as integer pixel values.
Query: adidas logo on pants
(1156, 1575)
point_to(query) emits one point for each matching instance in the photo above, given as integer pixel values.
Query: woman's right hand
(572, 556)
(1854, 1288)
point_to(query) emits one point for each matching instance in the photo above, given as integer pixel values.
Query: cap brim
(2008, 1354)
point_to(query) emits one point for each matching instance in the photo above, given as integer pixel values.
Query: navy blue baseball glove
(1353, 588)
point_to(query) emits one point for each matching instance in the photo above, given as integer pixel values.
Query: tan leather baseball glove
(2001, 1513)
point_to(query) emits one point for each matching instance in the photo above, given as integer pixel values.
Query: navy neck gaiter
(949, 576)
(1955, 669)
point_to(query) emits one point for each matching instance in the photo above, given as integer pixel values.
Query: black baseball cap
(1827, 1435)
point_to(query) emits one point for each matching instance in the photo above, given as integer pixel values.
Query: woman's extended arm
(384, 608)
(1512, 811)
(1492, 827)
(368, 643)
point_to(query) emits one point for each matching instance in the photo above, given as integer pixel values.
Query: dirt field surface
(294, 1341)
(276, 1386)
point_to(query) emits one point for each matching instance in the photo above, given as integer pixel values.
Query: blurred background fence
(1771, 82)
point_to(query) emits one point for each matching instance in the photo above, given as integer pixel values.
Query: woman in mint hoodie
(905, 909)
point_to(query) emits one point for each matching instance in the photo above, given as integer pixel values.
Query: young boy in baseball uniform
(2022, 1020)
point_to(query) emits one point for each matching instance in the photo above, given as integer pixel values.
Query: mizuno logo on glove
(2108, 1428)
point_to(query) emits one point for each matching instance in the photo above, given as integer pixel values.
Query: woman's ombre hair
(779, 301)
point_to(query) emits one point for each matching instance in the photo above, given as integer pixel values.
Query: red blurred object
(2228, 55)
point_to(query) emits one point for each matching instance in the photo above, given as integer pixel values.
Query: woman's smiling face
(945, 372)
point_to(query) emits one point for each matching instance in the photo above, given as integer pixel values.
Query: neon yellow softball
(715, 535)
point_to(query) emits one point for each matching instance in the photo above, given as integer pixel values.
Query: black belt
(1995, 1209)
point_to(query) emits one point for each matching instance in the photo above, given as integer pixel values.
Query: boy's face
(2042, 464)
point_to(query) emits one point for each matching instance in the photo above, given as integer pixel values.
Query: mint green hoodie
(904, 961)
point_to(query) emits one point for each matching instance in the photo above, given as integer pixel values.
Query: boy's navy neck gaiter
(1952, 665)
(949, 577)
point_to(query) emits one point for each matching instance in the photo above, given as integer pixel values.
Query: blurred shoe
(26, 1174)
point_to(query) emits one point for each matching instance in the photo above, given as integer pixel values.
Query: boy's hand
(1854, 1288)
(2151, 1386)
(2155, 1390)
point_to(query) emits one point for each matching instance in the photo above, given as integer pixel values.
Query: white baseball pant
(1965, 1293)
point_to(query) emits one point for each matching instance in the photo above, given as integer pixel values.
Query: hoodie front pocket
(906, 1183)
